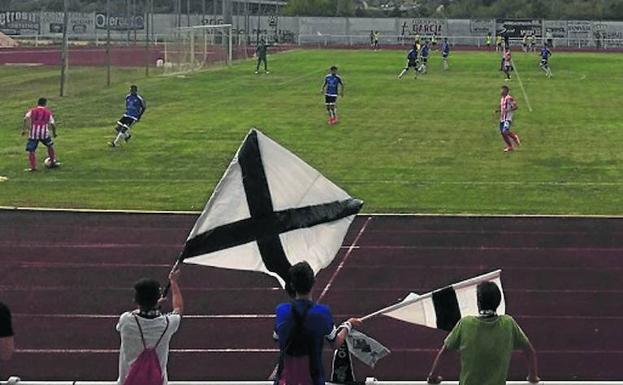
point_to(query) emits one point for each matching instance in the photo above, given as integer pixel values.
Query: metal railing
(329, 40)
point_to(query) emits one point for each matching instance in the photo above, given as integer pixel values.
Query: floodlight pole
(128, 22)
(259, 20)
(147, 26)
(188, 13)
(134, 20)
(230, 47)
(108, 69)
(64, 58)
(228, 19)
(178, 4)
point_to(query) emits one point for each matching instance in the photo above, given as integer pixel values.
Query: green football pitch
(429, 145)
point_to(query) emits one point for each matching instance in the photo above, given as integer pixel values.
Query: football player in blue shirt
(134, 109)
(544, 64)
(331, 87)
(412, 62)
(424, 57)
(445, 52)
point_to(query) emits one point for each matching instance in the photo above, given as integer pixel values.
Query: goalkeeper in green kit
(260, 53)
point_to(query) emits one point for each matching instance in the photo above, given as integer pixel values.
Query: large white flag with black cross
(443, 308)
(270, 210)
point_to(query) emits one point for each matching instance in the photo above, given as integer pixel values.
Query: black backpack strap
(164, 332)
(299, 321)
(140, 330)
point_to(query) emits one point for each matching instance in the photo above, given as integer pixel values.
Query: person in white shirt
(153, 323)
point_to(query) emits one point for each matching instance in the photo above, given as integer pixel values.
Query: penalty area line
(523, 90)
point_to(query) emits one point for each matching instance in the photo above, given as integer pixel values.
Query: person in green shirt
(488, 40)
(486, 343)
(260, 53)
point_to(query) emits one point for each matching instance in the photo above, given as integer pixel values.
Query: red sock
(32, 159)
(506, 138)
(51, 153)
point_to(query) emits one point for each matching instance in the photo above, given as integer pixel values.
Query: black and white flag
(443, 308)
(365, 348)
(270, 210)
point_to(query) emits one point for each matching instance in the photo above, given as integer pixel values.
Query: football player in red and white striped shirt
(37, 123)
(508, 105)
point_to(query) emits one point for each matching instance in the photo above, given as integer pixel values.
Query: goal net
(197, 47)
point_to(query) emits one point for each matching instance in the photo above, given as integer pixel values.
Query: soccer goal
(196, 47)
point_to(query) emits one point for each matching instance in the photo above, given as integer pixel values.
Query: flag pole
(467, 282)
(396, 306)
(165, 292)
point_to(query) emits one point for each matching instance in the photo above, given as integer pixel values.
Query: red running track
(67, 277)
(132, 56)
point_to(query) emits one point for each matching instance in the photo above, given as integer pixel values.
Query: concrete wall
(315, 30)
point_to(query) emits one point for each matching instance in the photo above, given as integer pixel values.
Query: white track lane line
(341, 265)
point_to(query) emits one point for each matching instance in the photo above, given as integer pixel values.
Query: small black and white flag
(443, 308)
(365, 348)
(269, 211)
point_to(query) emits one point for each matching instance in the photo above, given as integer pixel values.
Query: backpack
(146, 370)
(297, 363)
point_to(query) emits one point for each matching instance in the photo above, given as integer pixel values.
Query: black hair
(333, 68)
(489, 296)
(133, 87)
(505, 87)
(147, 293)
(301, 278)
(42, 101)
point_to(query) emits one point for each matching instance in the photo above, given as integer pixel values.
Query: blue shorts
(505, 126)
(31, 146)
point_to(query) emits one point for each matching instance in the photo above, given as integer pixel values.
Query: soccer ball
(49, 163)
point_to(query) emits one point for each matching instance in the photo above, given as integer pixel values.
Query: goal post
(197, 47)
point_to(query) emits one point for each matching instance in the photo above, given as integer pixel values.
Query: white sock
(119, 136)
(404, 71)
